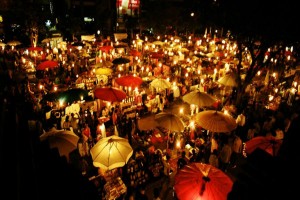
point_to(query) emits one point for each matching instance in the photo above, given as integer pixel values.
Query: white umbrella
(111, 152)
(65, 141)
(160, 83)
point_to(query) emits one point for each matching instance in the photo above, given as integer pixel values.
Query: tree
(261, 32)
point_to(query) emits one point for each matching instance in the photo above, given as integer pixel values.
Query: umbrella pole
(168, 139)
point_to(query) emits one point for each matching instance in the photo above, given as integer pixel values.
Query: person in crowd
(156, 194)
(74, 124)
(67, 123)
(214, 159)
(214, 143)
(140, 194)
(201, 153)
(86, 134)
(99, 131)
(83, 147)
(251, 132)
(224, 157)
(182, 161)
(237, 147)
(240, 121)
(171, 140)
(167, 168)
(267, 125)
(193, 156)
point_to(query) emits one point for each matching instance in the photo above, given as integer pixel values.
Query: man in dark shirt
(181, 161)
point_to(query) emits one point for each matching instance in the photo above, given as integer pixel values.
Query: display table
(114, 189)
(137, 173)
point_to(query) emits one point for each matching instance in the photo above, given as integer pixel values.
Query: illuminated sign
(88, 19)
(128, 6)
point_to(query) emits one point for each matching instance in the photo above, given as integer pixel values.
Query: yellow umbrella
(13, 43)
(228, 80)
(171, 122)
(215, 121)
(2, 44)
(103, 71)
(157, 42)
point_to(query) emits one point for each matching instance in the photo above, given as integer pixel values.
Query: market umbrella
(120, 45)
(169, 121)
(215, 121)
(111, 152)
(14, 43)
(158, 42)
(106, 48)
(120, 60)
(35, 48)
(270, 144)
(134, 52)
(156, 55)
(103, 71)
(198, 98)
(65, 141)
(46, 40)
(2, 44)
(129, 81)
(160, 83)
(48, 64)
(109, 94)
(147, 123)
(228, 79)
(199, 181)
(73, 94)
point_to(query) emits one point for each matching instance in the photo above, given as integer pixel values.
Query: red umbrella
(199, 181)
(268, 143)
(47, 64)
(106, 48)
(35, 49)
(109, 94)
(156, 55)
(134, 52)
(129, 81)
